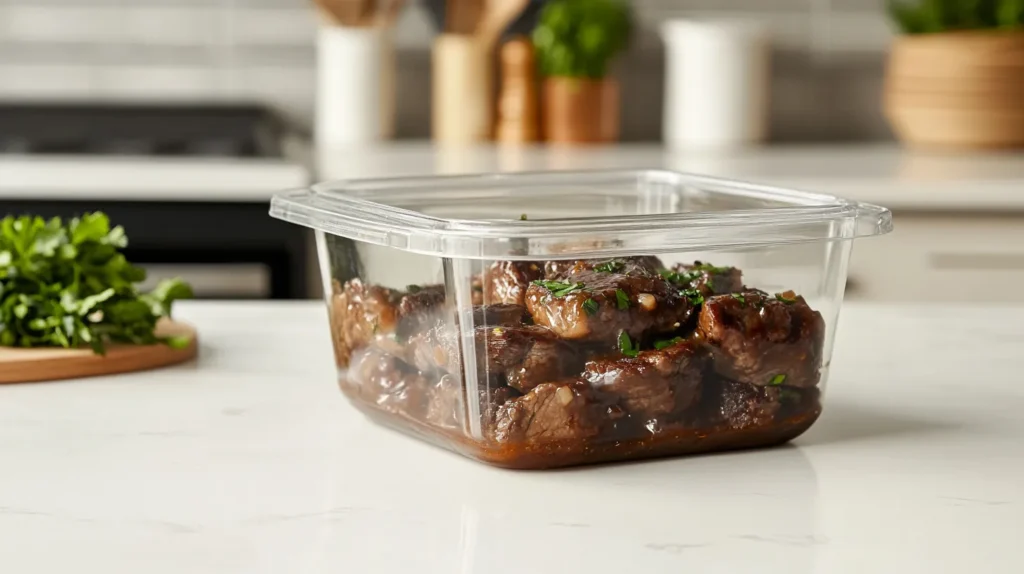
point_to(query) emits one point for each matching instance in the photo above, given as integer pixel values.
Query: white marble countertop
(877, 173)
(250, 461)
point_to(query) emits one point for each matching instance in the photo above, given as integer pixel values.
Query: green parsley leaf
(777, 380)
(622, 299)
(69, 285)
(613, 266)
(522, 217)
(659, 345)
(677, 278)
(413, 288)
(694, 296)
(739, 298)
(626, 346)
(559, 288)
(181, 342)
(591, 307)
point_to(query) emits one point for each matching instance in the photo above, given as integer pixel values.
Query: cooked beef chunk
(497, 315)
(417, 308)
(445, 408)
(648, 265)
(706, 279)
(506, 281)
(359, 313)
(530, 355)
(653, 383)
(387, 381)
(438, 347)
(742, 406)
(762, 339)
(477, 287)
(523, 356)
(550, 412)
(593, 305)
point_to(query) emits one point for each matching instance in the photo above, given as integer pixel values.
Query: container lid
(565, 215)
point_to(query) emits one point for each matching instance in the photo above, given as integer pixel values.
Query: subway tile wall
(827, 69)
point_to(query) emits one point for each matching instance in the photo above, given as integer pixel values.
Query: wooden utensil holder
(462, 106)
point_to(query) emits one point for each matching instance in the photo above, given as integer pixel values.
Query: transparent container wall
(536, 364)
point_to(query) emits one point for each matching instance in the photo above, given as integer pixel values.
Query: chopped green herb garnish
(68, 284)
(626, 345)
(777, 380)
(522, 217)
(613, 266)
(413, 288)
(177, 343)
(559, 288)
(591, 307)
(739, 298)
(659, 345)
(679, 278)
(694, 296)
(788, 297)
(622, 299)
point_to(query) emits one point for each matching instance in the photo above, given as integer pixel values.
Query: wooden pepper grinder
(518, 114)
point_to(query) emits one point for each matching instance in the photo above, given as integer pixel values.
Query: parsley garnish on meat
(788, 297)
(413, 288)
(663, 344)
(590, 306)
(559, 288)
(70, 286)
(679, 278)
(739, 298)
(777, 380)
(626, 346)
(622, 299)
(613, 266)
(693, 296)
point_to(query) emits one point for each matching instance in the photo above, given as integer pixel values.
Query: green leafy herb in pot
(935, 16)
(68, 285)
(580, 38)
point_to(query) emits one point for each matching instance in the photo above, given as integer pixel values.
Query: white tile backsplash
(175, 26)
(61, 25)
(263, 50)
(271, 26)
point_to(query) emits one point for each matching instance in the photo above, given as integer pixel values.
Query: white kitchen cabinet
(938, 258)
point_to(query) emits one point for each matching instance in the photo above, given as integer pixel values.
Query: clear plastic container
(553, 319)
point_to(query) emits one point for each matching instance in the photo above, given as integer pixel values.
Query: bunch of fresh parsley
(70, 286)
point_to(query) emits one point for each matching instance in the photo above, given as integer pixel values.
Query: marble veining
(250, 461)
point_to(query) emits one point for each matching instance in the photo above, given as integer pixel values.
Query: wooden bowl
(962, 89)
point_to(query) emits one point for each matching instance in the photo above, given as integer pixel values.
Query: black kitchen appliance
(193, 235)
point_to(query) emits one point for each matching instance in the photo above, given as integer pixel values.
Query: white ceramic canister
(355, 98)
(717, 83)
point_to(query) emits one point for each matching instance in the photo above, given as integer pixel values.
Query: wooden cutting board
(32, 365)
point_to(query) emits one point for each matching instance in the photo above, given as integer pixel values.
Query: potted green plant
(576, 43)
(955, 76)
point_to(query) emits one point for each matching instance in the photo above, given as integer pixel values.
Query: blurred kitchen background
(181, 117)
